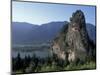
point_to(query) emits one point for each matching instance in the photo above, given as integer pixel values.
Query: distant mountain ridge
(23, 32)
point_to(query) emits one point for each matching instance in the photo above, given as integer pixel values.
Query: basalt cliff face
(73, 43)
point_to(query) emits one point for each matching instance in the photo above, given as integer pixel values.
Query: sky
(40, 13)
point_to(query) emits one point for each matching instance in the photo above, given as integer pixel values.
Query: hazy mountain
(46, 31)
(91, 31)
(23, 32)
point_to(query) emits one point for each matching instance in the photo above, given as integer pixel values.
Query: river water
(41, 52)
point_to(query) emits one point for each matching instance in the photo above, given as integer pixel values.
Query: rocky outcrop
(73, 42)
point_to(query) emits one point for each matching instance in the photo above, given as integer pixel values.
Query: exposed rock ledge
(73, 42)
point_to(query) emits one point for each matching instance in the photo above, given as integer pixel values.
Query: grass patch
(70, 67)
(86, 66)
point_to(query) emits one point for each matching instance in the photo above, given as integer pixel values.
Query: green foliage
(19, 64)
(85, 66)
(49, 64)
